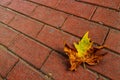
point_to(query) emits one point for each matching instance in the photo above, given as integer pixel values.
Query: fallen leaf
(84, 52)
(83, 46)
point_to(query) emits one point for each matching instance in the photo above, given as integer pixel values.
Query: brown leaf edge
(91, 58)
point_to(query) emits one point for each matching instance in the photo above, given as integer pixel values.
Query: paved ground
(32, 33)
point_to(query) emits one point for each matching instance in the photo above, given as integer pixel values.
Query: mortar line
(9, 3)
(34, 9)
(11, 19)
(106, 37)
(40, 31)
(26, 61)
(76, 1)
(98, 77)
(12, 68)
(61, 11)
(48, 24)
(20, 58)
(68, 13)
(1, 76)
(46, 59)
(93, 13)
(94, 72)
(64, 21)
(44, 43)
(98, 73)
(47, 75)
(33, 39)
(30, 37)
(59, 1)
(97, 5)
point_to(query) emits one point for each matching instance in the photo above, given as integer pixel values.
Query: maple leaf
(84, 52)
(83, 46)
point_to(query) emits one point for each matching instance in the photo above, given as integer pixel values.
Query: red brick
(25, 25)
(113, 40)
(76, 8)
(1, 78)
(22, 6)
(55, 38)
(6, 35)
(102, 78)
(107, 3)
(49, 16)
(79, 27)
(7, 61)
(22, 71)
(59, 65)
(109, 66)
(6, 15)
(50, 3)
(30, 50)
(5, 2)
(108, 17)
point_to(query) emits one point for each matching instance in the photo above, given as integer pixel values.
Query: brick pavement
(32, 33)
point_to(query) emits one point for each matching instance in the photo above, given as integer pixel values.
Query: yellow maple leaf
(83, 46)
(84, 52)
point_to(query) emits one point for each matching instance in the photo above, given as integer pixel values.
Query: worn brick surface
(79, 27)
(7, 61)
(50, 3)
(102, 78)
(76, 8)
(49, 16)
(5, 15)
(1, 78)
(108, 17)
(55, 38)
(59, 66)
(25, 25)
(22, 6)
(30, 50)
(5, 2)
(23, 72)
(109, 66)
(31, 26)
(6, 35)
(107, 3)
(113, 40)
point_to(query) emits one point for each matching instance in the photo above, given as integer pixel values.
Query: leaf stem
(84, 66)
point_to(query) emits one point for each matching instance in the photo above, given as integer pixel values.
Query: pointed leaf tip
(84, 52)
(83, 46)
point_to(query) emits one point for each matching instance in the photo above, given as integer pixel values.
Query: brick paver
(46, 15)
(59, 65)
(23, 72)
(1, 78)
(5, 2)
(104, 66)
(7, 61)
(6, 35)
(106, 3)
(107, 17)
(30, 50)
(22, 6)
(79, 27)
(55, 38)
(50, 3)
(33, 33)
(113, 40)
(76, 8)
(26, 25)
(5, 15)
